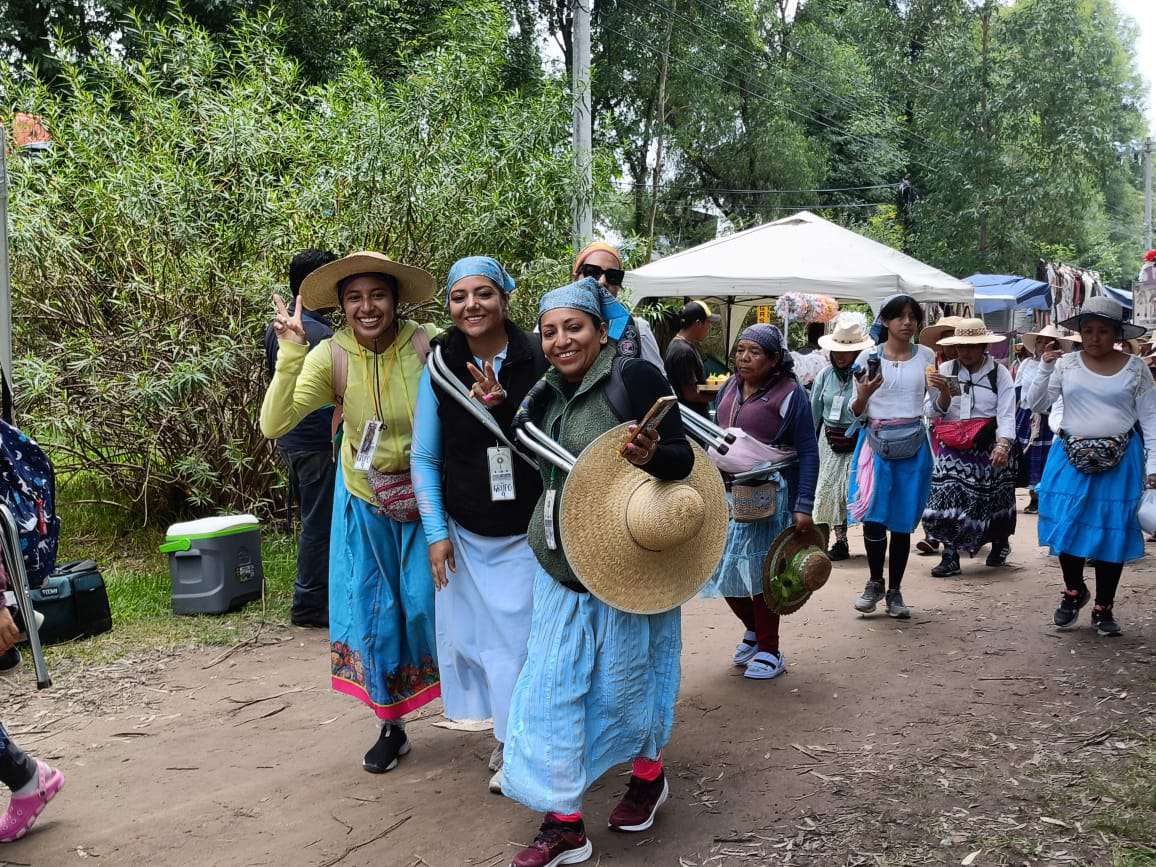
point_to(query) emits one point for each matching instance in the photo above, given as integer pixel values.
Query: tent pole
(5, 285)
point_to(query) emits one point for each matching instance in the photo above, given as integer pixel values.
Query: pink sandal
(22, 812)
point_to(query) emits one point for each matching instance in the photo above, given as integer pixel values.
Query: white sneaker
(766, 666)
(746, 650)
(496, 783)
(497, 757)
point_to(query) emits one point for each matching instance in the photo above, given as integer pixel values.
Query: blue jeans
(311, 476)
(16, 766)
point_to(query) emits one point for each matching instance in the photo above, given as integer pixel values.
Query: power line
(628, 185)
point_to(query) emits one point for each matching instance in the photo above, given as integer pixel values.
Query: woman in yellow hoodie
(381, 591)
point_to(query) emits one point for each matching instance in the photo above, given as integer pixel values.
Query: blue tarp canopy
(1120, 296)
(996, 292)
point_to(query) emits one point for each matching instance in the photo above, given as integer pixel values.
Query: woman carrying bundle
(1091, 487)
(891, 467)
(764, 400)
(381, 606)
(973, 498)
(599, 684)
(831, 397)
(476, 496)
(1033, 432)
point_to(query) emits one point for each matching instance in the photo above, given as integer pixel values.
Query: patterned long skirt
(971, 502)
(1034, 451)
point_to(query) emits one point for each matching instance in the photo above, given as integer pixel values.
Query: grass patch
(139, 588)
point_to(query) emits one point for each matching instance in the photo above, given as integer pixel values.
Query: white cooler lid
(207, 527)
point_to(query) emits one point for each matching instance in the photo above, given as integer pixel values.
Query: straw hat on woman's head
(639, 544)
(933, 334)
(1050, 332)
(1105, 309)
(971, 332)
(847, 336)
(319, 291)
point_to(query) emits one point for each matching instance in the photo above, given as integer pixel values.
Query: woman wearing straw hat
(891, 466)
(1033, 433)
(476, 497)
(973, 499)
(381, 606)
(831, 398)
(599, 684)
(767, 402)
(1091, 488)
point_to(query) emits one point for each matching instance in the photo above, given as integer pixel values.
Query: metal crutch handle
(14, 562)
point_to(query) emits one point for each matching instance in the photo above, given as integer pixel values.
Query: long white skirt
(483, 625)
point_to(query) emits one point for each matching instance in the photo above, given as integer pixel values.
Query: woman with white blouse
(1091, 488)
(891, 465)
(973, 497)
(1033, 431)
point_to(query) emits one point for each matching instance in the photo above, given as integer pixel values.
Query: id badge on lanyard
(836, 411)
(548, 520)
(370, 436)
(501, 461)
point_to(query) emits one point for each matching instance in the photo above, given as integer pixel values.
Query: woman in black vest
(476, 498)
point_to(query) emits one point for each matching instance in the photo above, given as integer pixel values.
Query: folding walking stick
(14, 564)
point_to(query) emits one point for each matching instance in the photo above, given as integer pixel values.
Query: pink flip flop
(22, 812)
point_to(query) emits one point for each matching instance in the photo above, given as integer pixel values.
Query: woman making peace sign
(381, 609)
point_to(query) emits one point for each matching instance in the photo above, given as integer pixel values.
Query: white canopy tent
(801, 253)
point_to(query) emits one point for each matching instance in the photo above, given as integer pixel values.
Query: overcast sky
(1144, 12)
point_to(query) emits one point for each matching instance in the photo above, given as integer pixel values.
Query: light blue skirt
(483, 624)
(1093, 516)
(741, 571)
(598, 689)
(381, 608)
(900, 489)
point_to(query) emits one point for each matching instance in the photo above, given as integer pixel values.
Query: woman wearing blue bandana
(599, 685)
(475, 513)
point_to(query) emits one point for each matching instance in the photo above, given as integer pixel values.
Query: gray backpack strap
(339, 361)
(420, 343)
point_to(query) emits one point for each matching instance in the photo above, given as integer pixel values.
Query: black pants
(311, 478)
(17, 768)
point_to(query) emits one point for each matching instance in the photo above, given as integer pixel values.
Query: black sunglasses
(613, 275)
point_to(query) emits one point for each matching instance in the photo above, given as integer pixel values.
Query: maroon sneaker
(557, 843)
(637, 809)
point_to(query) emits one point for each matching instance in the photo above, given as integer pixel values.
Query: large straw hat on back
(319, 289)
(639, 544)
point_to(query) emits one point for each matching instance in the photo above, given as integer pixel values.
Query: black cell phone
(873, 365)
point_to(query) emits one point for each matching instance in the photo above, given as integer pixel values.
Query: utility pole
(5, 285)
(583, 139)
(1144, 151)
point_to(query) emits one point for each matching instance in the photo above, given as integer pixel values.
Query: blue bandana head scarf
(479, 266)
(771, 340)
(590, 297)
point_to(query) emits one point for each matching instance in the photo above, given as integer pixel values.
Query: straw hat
(1050, 331)
(319, 289)
(972, 332)
(932, 334)
(847, 336)
(1103, 307)
(796, 567)
(641, 545)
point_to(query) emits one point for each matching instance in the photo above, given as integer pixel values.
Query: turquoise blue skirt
(899, 488)
(741, 571)
(598, 689)
(381, 609)
(1093, 516)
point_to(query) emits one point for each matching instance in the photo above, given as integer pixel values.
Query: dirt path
(974, 727)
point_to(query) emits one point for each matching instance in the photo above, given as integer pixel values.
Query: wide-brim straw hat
(639, 544)
(1103, 307)
(932, 334)
(319, 289)
(972, 332)
(846, 337)
(1050, 332)
(796, 566)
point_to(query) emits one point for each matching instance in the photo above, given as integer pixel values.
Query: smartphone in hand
(652, 419)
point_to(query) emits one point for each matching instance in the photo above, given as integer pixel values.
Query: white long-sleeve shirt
(1025, 376)
(977, 399)
(904, 385)
(1097, 405)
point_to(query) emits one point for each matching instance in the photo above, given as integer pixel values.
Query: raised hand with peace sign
(286, 325)
(486, 387)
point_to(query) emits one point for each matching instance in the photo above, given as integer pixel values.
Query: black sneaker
(998, 556)
(1070, 605)
(872, 595)
(948, 566)
(926, 547)
(9, 659)
(895, 606)
(1104, 622)
(391, 745)
(1033, 506)
(309, 621)
(839, 551)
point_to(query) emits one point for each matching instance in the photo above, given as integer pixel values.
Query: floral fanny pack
(1093, 455)
(393, 494)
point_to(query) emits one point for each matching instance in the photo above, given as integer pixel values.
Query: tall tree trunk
(661, 118)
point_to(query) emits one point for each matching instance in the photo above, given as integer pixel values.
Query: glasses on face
(613, 275)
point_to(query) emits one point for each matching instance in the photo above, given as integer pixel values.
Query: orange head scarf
(594, 248)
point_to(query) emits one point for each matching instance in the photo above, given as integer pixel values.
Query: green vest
(574, 424)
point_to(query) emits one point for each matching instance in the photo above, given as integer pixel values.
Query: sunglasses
(613, 275)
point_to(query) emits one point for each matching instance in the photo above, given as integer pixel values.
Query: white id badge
(368, 447)
(548, 519)
(501, 473)
(836, 410)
